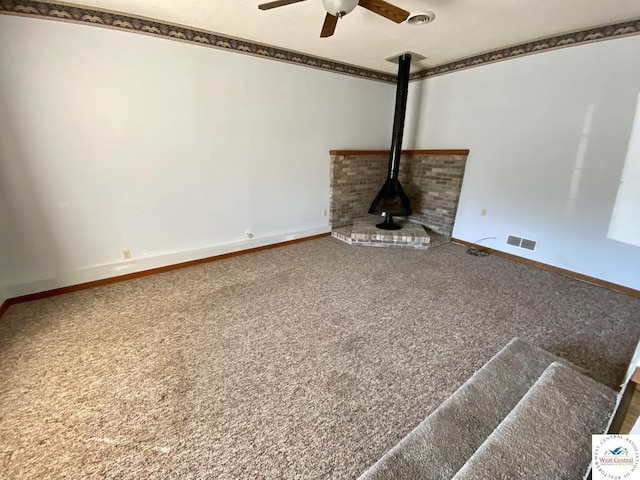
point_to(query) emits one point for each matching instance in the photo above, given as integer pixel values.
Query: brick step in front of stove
(364, 232)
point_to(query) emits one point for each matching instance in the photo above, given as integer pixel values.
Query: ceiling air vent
(521, 242)
(420, 18)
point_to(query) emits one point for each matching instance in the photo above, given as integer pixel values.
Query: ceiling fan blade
(385, 9)
(329, 26)
(277, 3)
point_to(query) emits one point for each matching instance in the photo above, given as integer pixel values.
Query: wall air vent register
(521, 242)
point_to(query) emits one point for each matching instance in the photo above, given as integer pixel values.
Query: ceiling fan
(339, 8)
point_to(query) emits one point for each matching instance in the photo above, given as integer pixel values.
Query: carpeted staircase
(525, 414)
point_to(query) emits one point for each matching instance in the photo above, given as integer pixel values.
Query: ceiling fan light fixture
(421, 18)
(339, 8)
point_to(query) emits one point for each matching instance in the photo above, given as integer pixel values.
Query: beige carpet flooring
(304, 361)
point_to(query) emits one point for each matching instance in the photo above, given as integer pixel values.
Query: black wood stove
(392, 200)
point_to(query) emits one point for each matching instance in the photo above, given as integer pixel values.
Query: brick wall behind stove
(432, 181)
(354, 182)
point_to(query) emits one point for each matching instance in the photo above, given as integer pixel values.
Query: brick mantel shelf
(404, 152)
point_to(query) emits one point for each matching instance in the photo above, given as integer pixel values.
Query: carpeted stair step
(548, 434)
(439, 446)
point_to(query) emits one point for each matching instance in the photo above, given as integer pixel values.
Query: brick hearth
(431, 178)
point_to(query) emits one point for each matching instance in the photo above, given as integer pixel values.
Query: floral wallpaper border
(605, 32)
(125, 22)
(147, 26)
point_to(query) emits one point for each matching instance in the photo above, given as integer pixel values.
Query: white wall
(111, 141)
(3, 273)
(5, 254)
(548, 135)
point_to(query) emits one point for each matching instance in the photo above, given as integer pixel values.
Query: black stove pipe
(392, 200)
(398, 120)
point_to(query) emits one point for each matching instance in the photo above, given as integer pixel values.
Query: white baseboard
(101, 272)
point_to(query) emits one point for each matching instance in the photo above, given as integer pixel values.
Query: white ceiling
(462, 28)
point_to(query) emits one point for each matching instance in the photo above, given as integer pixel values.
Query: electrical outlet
(324, 213)
(483, 213)
(126, 254)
